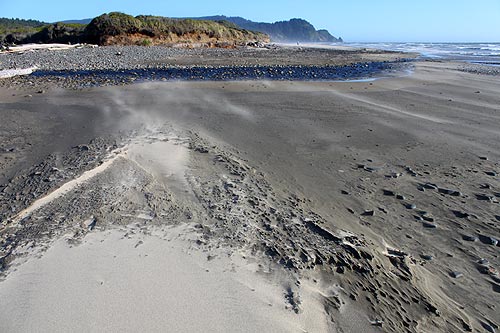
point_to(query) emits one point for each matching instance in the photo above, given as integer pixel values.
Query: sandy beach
(250, 206)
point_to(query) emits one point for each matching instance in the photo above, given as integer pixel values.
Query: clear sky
(354, 20)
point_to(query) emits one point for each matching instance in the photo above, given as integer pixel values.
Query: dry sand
(286, 178)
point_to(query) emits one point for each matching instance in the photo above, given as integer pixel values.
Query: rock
(201, 150)
(377, 322)
(90, 223)
(400, 197)
(488, 240)
(429, 225)
(469, 238)
(484, 158)
(428, 218)
(497, 217)
(483, 261)
(453, 193)
(371, 168)
(389, 193)
(488, 327)
(426, 257)
(344, 192)
(411, 206)
(460, 215)
(485, 197)
(456, 275)
(394, 175)
(491, 173)
(411, 172)
(430, 186)
(368, 213)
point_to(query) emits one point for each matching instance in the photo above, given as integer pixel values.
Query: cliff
(122, 29)
(294, 30)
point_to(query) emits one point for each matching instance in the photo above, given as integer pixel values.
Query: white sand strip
(66, 188)
(146, 284)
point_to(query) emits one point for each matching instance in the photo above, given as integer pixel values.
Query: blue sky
(354, 20)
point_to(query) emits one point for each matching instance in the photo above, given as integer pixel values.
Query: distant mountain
(83, 21)
(294, 30)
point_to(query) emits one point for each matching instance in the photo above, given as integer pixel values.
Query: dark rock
(497, 217)
(484, 158)
(429, 225)
(311, 225)
(491, 173)
(377, 323)
(426, 257)
(201, 150)
(371, 168)
(456, 275)
(460, 215)
(428, 218)
(483, 261)
(488, 240)
(453, 193)
(484, 197)
(430, 186)
(469, 238)
(389, 193)
(400, 197)
(488, 327)
(368, 213)
(411, 206)
(344, 192)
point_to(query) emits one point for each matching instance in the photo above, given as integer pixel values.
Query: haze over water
(486, 53)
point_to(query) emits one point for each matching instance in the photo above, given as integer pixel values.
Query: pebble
(488, 327)
(426, 257)
(368, 213)
(429, 225)
(492, 241)
(453, 193)
(469, 238)
(484, 197)
(428, 218)
(389, 193)
(430, 186)
(460, 214)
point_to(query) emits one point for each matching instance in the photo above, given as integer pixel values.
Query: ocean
(482, 53)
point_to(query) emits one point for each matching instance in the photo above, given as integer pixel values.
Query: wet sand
(377, 200)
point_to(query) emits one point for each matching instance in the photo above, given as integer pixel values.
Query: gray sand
(292, 174)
